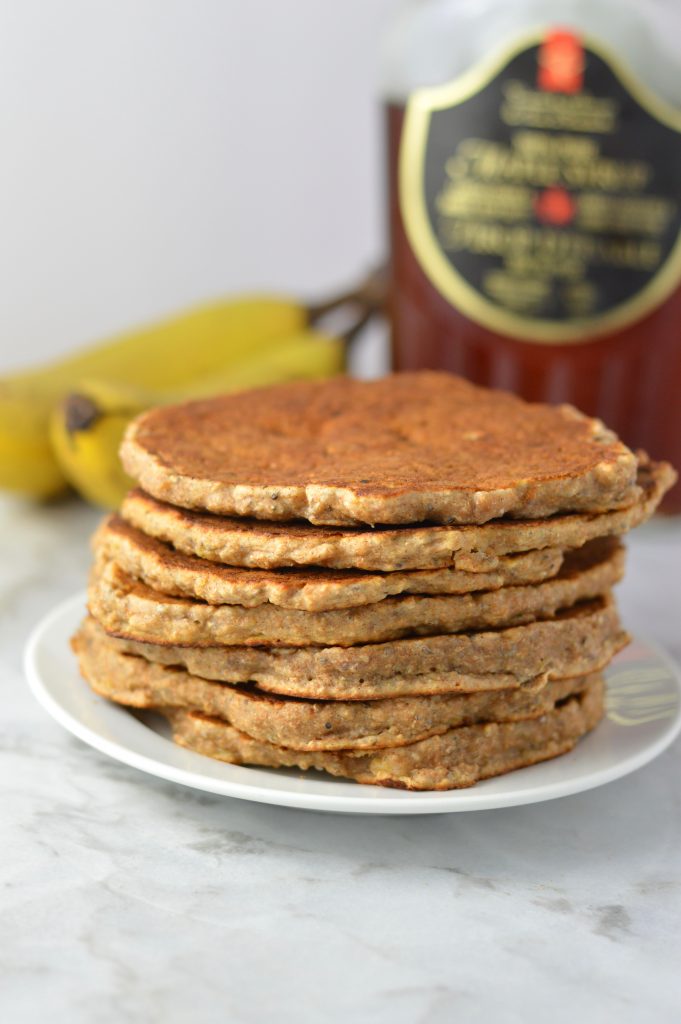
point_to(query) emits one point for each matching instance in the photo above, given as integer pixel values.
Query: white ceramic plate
(644, 716)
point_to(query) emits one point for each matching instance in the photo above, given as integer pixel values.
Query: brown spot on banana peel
(80, 413)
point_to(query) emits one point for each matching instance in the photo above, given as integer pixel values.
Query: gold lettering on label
(581, 112)
(539, 163)
(640, 215)
(523, 294)
(476, 199)
(524, 226)
(487, 206)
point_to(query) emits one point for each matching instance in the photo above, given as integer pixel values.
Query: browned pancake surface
(255, 543)
(407, 448)
(127, 607)
(454, 759)
(578, 641)
(303, 724)
(309, 588)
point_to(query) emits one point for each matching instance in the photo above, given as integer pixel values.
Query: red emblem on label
(561, 62)
(555, 206)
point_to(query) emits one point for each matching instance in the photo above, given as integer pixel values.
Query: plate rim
(382, 800)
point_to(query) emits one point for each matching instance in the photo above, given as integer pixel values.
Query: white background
(160, 152)
(156, 153)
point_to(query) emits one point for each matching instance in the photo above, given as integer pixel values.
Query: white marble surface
(127, 899)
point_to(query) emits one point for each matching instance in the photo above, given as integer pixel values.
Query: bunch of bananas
(62, 424)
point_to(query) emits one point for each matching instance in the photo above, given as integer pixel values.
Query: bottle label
(542, 194)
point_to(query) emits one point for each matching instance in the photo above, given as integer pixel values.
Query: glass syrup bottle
(534, 167)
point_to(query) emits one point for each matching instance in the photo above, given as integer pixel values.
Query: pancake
(579, 641)
(308, 589)
(252, 543)
(452, 760)
(305, 724)
(404, 449)
(127, 607)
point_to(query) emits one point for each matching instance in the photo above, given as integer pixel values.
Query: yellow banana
(27, 463)
(84, 427)
(188, 345)
(87, 427)
(309, 354)
(208, 339)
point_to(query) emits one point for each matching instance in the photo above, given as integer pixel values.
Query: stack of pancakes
(406, 582)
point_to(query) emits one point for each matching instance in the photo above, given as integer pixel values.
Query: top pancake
(405, 449)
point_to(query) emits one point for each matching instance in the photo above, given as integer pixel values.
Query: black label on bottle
(542, 195)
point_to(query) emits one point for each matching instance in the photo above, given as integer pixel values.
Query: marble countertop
(128, 899)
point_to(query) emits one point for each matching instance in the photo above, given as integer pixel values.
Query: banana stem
(350, 334)
(369, 295)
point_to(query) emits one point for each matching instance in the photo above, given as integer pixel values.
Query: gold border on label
(448, 281)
